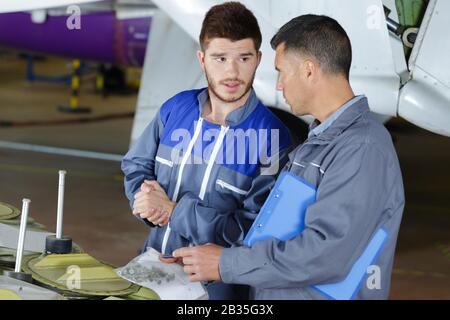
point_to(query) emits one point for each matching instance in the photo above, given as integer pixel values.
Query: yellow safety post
(74, 105)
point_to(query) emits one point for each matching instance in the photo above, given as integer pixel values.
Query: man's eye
(220, 59)
(245, 59)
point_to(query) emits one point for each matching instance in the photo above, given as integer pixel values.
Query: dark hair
(320, 37)
(230, 20)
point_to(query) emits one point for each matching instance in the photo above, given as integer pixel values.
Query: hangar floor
(97, 215)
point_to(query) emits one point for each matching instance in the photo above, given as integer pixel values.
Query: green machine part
(97, 280)
(6, 294)
(81, 276)
(410, 14)
(8, 211)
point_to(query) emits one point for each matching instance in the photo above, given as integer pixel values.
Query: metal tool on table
(58, 243)
(17, 274)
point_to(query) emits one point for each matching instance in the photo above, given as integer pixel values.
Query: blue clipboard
(283, 217)
(283, 214)
(349, 287)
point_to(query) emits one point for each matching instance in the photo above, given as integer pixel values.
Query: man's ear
(310, 69)
(201, 59)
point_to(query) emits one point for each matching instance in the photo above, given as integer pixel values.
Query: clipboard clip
(269, 207)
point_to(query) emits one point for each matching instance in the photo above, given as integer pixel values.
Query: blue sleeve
(139, 162)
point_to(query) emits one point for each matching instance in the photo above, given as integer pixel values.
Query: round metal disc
(8, 211)
(95, 278)
(8, 255)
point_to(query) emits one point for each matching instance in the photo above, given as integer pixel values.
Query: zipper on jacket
(198, 130)
(164, 161)
(212, 160)
(230, 187)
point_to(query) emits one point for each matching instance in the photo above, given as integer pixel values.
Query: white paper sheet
(168, 280)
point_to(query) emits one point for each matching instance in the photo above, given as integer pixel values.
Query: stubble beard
(213, 87)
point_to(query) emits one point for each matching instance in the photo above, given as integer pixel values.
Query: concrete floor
(97, 215)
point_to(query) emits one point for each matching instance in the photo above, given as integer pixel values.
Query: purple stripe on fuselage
(102, 37)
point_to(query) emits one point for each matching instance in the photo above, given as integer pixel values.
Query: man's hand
(171, 260)
(201, 262)
(153, 204)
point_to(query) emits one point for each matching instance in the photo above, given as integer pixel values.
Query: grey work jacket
(354, 166)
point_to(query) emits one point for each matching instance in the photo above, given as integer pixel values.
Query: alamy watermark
(73, 280)
(375, 17)
(73, 21)
(373, 281)
(239, 147)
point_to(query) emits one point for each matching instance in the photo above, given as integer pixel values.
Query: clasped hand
(153, 204)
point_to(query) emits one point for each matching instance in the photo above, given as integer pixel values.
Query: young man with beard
(203, 167)
(350, 159)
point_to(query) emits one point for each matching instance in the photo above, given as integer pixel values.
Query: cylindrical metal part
(22, 233)
(61, 245)
(410, 37)
(393, 26)
(59, 220)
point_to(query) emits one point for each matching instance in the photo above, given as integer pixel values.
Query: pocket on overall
(308, 170)
(231, 188)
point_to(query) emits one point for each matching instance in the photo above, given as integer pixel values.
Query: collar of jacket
(236, 116)
(345, 120)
